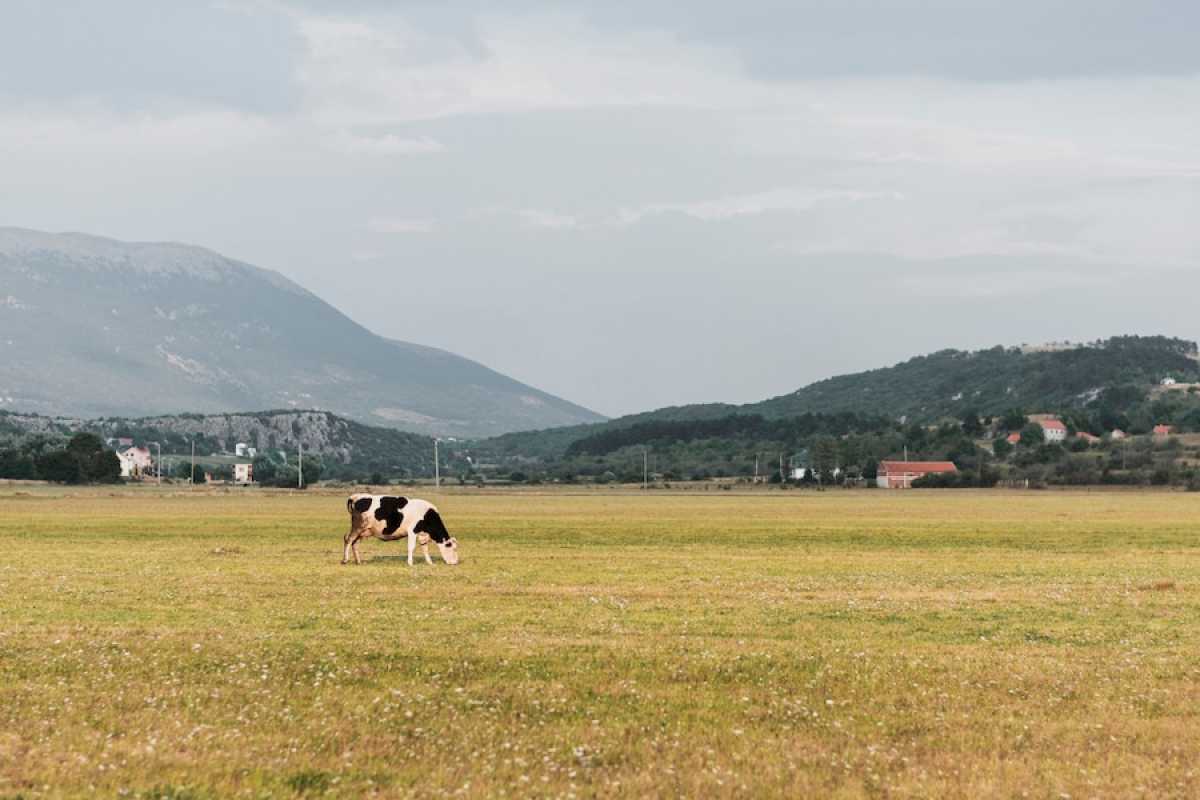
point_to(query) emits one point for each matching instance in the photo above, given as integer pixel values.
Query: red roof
(922, 467)
(1086, 435)
(1162, 430)
(1052, 425)
(1013, 438)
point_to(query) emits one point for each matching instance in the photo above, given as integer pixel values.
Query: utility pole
(193, 477)
(756, 467)
(158, 463)
(299, 465)
(782, 479)
(645, 472)
(437, 464)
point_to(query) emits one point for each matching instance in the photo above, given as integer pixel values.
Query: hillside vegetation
(347, 449)
(934, 406)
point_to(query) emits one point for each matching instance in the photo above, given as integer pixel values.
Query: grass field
(840, 644)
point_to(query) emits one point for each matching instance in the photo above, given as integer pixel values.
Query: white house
(1168, 381)
(1054, 429)
(243, 473)
(135, 462)
(239, 450)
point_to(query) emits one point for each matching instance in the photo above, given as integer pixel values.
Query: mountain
(96, 327)
(1116, 376)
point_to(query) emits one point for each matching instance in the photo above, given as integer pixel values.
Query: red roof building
(1054, 429)
(901, 474)
(1164, 430)
(1087, 437)
(1013, 438)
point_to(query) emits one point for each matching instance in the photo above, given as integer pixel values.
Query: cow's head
(449, 550)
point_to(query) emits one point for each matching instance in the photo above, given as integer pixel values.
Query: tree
(1032, 435)
(85, 459)
(971, 424)
(824, 457)
(1013, 420)
(1001, 448)
(59, 466)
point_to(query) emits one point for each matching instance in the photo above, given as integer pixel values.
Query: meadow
(176, 644)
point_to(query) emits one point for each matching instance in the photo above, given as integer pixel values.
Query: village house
(1087, 437)
(135, 462)
(243, 473)
(1162, 431)
(1013, 438)
(1117, 434)
(901, 474)
(1054, 430)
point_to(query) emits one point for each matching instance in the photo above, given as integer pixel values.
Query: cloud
(133, 54)
(792, 200)
(539, 218)
(386, 145)
(399, 225)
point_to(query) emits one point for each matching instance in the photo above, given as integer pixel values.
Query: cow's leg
(346, 550)
(412, 543)
(425, 550)
(354, 548)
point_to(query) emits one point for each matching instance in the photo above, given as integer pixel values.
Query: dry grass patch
(782, 644)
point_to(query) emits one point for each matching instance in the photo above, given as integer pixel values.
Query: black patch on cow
(389, 510)
(432, 524)
(363, 504)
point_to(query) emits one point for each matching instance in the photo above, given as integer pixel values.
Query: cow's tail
(350, 504)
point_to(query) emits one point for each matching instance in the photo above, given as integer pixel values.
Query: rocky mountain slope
(347, 448)
(94, 327)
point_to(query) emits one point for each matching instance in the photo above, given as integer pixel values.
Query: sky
(634, 205)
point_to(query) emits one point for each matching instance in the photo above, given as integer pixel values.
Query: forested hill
(923, 390)
(948, 382)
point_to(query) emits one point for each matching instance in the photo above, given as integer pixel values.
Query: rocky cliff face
(93, 327)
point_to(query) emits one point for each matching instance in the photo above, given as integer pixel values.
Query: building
(1168, 381)
(1117, 434)
(1164, 430)
(1013, 438)
(135, 462)
(1054, 430)
(243, 473)
(1087, 437)
(901, 474)
(239, 449)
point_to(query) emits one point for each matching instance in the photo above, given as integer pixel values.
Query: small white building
(1168, 381)
(239, 449)
(1054, 430)
(243, 473)
(135, 462)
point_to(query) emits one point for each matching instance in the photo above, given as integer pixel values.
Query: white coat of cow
(389, 518)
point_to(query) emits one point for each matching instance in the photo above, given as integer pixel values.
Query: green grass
(845, 644)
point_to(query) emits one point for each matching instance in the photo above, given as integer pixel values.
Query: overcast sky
(639, 204)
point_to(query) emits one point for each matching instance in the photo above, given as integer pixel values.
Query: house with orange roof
(1054, 429)
(901, 474)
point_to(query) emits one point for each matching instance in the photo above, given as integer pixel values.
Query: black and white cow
(391, 518)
